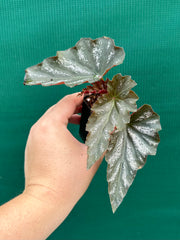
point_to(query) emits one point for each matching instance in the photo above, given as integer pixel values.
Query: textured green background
(148, 30)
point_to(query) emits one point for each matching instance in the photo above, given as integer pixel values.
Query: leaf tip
(89, 163)
(26, 80)
(114, 209)
(115, 205)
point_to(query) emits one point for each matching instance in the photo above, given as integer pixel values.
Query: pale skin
(56, 175)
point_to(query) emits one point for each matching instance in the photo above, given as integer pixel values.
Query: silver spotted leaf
(88, 61)
(128, 150)
(110, 111)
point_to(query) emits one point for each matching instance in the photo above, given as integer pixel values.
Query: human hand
(56, 175)
(55, 161)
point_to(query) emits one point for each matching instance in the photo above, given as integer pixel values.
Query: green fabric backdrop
(148, 30)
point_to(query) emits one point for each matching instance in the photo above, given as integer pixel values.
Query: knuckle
(42, 126)
(67, 97)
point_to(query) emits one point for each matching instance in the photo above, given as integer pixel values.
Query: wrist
(34, 214)
(48, 203)
(49, 199)
(42, 193)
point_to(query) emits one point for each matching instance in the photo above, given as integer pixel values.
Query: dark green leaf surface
(128, 150)
(88, 61)
(109, 111)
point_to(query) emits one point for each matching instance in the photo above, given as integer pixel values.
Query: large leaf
(109, 111)
(128, 150)
(88, 61)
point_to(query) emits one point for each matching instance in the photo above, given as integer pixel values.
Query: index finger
(66, 107)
